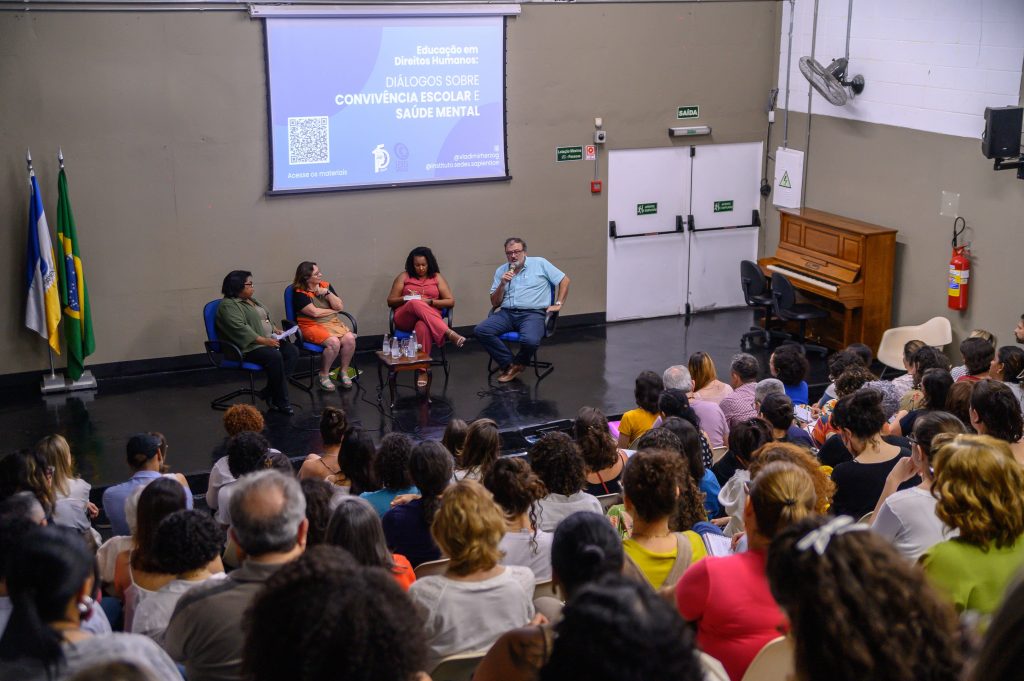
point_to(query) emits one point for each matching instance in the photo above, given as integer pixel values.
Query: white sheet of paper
(718, 544)
(284, 334)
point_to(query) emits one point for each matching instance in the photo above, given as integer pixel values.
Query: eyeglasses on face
(247, 284)
(513, 253)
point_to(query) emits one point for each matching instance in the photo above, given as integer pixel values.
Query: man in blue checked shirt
(521, 295)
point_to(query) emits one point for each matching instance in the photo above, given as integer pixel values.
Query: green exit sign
(568, 154)
(646, 208)
(723, 206)
(688, 112)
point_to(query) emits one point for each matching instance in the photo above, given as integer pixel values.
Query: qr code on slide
(308, 140)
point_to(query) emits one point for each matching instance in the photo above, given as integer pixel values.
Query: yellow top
(636, 422)
(657, 566)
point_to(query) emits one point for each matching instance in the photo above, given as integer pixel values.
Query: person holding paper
(417, 296)
(521, 298)
(242, 320)
(316, 306)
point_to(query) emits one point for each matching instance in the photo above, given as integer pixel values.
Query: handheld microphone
(512, 266)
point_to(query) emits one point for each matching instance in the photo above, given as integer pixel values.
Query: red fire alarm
(595, 186)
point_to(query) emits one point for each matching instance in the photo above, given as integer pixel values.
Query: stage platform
(594, 366)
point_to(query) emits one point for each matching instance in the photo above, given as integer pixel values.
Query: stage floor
(594, 366)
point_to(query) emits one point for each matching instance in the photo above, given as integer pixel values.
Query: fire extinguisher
(959, 270)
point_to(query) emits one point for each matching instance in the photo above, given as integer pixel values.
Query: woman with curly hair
(857, 609)
(480, 449)
(824, 488)
(407, 526)
(687, 442)
(476, 599)
(517, 489)
(604, 461)
(995, 411)
(980, 492)
(187, 545)
(355, 526)
(239, 418)
(650, 488)
(935, 385)
(557, 460)
(366, 629)
(706, 385)
(392, 464)
(789, 365)
(728, 598)
(636, 422)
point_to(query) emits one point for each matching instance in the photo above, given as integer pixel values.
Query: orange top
(403, 572)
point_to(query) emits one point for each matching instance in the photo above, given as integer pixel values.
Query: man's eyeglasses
(513, 253)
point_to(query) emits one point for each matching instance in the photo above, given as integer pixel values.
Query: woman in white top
(907, 517)
(476, 600)
(516, 490)
(558, 462)
(239, 418)
(73, 508)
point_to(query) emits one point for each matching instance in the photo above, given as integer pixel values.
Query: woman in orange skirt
(316, 306)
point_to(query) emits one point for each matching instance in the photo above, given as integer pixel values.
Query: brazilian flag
(73, 295)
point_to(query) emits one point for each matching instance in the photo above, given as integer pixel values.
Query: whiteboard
(715, 267)
(728, 175)
(648, 176)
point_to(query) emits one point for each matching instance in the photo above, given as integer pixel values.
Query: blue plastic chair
(513, 337)
(226, 355)
(447, 314)
(313, 350)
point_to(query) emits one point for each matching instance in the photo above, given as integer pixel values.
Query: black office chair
(787, 309)
(758, 297)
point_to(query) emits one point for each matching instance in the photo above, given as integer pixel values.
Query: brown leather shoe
(511, 374)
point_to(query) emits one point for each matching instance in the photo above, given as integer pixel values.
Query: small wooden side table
(397, 365)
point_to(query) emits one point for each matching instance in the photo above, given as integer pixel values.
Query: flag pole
(52, 383)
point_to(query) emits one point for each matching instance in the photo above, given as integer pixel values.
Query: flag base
(53, 383)
(85, 382)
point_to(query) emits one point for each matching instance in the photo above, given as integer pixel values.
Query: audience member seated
(476, 599)
(147, 461)
(602, 459)
(923, 359)
(731, 471)
(583, 550)
(316, 305)
(651, 489)
(859, 482)
(789, 365)
(777, 410)
(72, 507)
(333, 430)
(844, 589)
(728, 598)
(187, 545)
(962, 370)
(392, 464)
(247, 453)
(907, 518)
(675, 404)
(706, 385)
(325, 616)
(558, 462)
(977, 354)
(27, 471)
(356, 462)
(268, 523)
(980, 492)
(935, 385)
(636, 422)
(516, 490)
(356, 527)
(958, 402)
(617, 630)
(739, 406)
(709, 414)
(995, 411)
(689, 447)
(824, 488)
(905, 383)
(837, 364)
(239, 418)
(321, 498)
(50, 581)
(454, 435)
(480, 449)
(848, 382)
(407, 526)
(1008, 367)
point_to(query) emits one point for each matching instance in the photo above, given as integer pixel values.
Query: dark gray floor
(593, 366)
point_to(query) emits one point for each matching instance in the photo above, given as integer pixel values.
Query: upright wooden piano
(842, 265)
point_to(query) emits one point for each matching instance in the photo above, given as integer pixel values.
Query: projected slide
(358, 102)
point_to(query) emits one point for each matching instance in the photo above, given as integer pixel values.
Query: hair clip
(819, 538)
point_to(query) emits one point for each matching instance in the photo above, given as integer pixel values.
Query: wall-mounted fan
(830, 81)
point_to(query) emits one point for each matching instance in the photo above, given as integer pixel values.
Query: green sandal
(326, 385)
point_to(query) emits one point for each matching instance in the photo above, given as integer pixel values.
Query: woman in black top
(859, 418)
(935, 384)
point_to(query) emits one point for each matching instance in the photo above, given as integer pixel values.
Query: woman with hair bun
(517, 489)
(995, 411)
(728, 597)
(860, 419)
(604, 461)
(333, 429)
(980, 493)
(857, 609)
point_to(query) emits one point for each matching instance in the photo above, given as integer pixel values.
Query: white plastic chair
(717, 453)
(458, 667)
(936, 332)
(431, 567)
(713, 669)
(774, 662)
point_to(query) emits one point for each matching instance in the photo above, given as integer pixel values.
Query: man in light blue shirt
(146, 455)
(522, 295)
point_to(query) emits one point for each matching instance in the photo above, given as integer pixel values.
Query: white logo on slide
(381, 159)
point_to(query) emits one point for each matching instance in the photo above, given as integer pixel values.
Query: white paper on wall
(789, 178)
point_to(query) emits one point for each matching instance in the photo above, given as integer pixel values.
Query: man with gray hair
(739, 406)
(766, 387)
(712, 420)
(268, 523)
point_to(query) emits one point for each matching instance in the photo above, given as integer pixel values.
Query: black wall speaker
(1001, 138)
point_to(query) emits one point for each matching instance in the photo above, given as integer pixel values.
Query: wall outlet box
(950, 206)
(595, 186)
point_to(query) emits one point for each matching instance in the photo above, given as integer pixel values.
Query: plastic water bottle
(413, 345)
(396, 349)
(386, 348)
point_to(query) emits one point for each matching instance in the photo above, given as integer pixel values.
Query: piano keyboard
(804, 278)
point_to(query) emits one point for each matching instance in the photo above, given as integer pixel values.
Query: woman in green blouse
(242, 320)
